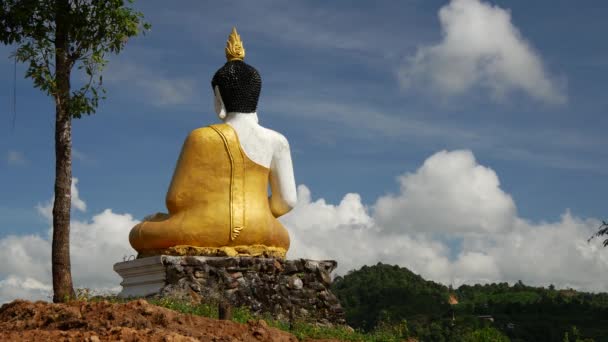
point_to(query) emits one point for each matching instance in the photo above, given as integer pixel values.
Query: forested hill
(374, 293)
(388, 295)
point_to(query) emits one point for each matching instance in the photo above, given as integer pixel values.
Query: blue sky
(364, 91)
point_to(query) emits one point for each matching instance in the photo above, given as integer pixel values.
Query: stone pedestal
(286, 289)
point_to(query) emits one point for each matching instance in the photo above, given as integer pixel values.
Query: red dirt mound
(133, 321)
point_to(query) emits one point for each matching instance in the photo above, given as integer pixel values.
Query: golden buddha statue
(218, 198)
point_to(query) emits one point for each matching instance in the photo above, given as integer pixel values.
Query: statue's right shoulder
(278, 140)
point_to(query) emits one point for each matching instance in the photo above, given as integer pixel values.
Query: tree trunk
(63, 290)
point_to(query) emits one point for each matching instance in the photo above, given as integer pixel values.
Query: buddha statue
(218, 201)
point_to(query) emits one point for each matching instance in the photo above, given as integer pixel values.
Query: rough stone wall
(287, 289)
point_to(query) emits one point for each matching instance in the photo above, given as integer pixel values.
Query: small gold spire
(234, 47)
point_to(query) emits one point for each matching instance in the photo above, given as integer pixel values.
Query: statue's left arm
(282, 180)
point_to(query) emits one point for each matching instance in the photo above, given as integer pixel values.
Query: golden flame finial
(234, 47)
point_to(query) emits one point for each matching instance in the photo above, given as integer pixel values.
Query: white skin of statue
(265, 147)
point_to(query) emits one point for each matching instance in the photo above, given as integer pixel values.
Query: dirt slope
(133, 321)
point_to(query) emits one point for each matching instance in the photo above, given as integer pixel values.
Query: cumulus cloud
(14, 287)
(451, 193)
(95, 245)
(480, 48)
(450, 198)
(15, 158)
(556, 252)
(449, 221)
(346, 232)
(46, 209)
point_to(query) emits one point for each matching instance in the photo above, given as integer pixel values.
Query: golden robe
(218, 198)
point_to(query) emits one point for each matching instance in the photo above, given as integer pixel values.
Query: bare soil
(134, 321)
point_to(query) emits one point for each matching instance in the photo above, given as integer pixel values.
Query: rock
(299, 264)
(324, 276)
(311, 265)
(290, 267)
(328, 265)
(278, 266)
(295, 282)
(278, 287)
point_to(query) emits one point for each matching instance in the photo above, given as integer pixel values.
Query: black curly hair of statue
(240, 85)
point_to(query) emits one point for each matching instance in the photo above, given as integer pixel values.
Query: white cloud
(77, 202)
(25, 256)
(480, 48)
(15, 158)
(16, 287)
(46, 209)
(347, 233)
(449, 197)
(377, 121)
(476, 267)
(83, 157)
(556, 253)
(95, 246)
(451, 194)
(155, 88)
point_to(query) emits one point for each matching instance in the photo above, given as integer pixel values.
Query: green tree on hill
(381, 296)
(54, 36)
(389, 293)
(485, 335)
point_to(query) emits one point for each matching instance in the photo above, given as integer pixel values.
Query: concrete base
(142, 277)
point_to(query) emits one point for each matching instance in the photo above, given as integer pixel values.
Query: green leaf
(93, 29)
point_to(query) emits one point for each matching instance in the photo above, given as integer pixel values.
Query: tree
(53, 36)
(602, 230)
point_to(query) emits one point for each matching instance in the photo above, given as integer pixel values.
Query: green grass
(205, 310)
(301, 330)
(242, 315)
